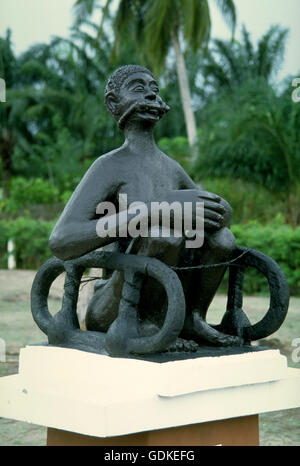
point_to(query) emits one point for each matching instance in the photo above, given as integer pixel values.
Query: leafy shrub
(31, 241)
(29, 191)
(277, 240)
(248, 201)
(253, 134)
(65, 196)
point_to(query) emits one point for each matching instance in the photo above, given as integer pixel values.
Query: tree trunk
(185, 92)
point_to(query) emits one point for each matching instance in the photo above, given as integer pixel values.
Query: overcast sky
(33, 21)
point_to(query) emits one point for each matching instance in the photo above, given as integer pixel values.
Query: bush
(281, 243)
(248, 201)
(29, 191)
(31, 241)
(277, 240)
(65, 196)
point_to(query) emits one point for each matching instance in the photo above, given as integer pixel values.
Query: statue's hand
(214, 210)
(215, 213)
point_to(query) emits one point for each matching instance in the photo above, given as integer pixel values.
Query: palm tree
(159, 25)
(230, 63)
(253, 134)
(50, 90)
(13, 127)
(70, 125)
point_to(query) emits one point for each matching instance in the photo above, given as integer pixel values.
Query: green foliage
(280, 242)
(277, 240)
(56, 156)
(27, 191)
(13, 127)
(156, 28)
(65, 196)
(152, 24)
(253, 134)
(33, 191)
(53, 121)
(8, 64)
(31, 241)
(247, 129)
(248, 201)
(228, 64)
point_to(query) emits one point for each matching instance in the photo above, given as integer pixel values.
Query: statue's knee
(166, 248)
(165, 239)
(222, 242)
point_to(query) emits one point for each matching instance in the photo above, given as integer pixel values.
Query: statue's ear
(111, 102)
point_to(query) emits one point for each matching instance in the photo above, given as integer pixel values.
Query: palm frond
(248, 46)
(159, 22)
(270, 50)
(83, 9)
(196, 23)
(228, 12)
(230, 60)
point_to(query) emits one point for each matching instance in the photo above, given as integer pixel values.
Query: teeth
(154, 110)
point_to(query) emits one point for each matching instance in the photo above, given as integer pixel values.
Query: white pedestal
(102, 396)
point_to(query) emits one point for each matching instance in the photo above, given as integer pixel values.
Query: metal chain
(209, 266)
(194, 267)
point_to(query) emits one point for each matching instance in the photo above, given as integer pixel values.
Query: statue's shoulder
(172, 163)
(177, 172)
(108, 160)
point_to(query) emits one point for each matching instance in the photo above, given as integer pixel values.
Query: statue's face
(139, 98)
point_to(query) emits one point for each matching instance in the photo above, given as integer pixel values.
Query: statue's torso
(144, 177)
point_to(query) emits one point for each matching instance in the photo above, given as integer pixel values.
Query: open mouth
(153, 111)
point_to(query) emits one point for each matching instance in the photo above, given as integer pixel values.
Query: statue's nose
(151, 95)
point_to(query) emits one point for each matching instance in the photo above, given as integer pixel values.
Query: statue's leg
(199, 286)
(217, 248)
(171, 251)
(203, 284)
(103, 307)
(153, 301)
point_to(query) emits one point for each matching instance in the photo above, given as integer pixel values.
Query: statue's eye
(138, 88)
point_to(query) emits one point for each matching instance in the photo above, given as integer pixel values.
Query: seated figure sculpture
(145, 174)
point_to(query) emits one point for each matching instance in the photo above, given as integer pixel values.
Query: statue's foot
(207, 334)
(180, 345)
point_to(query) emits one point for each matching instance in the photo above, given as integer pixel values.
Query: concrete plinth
(83, 397)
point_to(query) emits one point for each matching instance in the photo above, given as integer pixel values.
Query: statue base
(241, 431)
(115, 399)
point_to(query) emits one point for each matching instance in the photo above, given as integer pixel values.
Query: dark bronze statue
(155, 292)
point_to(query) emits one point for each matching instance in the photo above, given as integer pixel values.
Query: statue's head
(132, 93)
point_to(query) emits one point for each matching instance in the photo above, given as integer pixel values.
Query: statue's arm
(75, 232)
